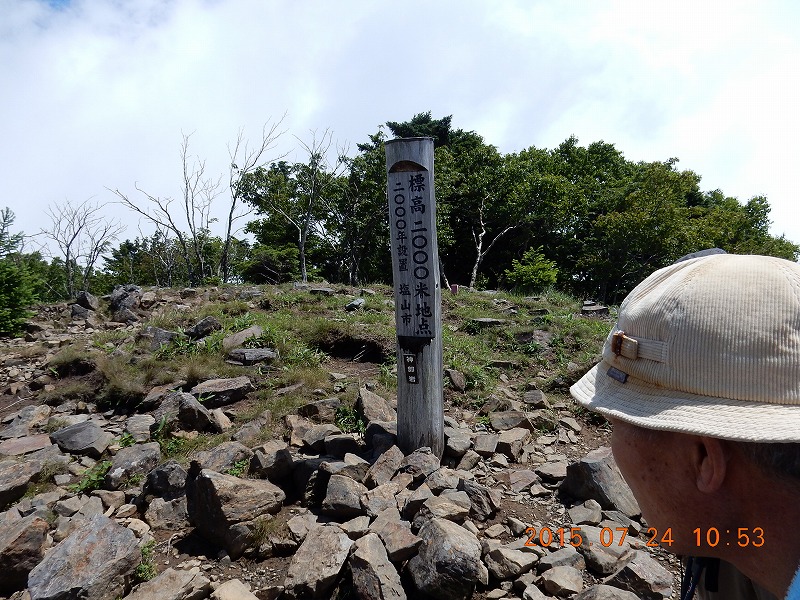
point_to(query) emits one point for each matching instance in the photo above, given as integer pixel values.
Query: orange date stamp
(711, 537)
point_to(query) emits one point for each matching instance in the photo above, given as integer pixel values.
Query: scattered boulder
(374, 577)
(138, 459)
(597, 476)
(15, 477)
(252, 356)
(22, 545)
(174, 584)
(95, 562)
(374, 408)
(317, 563)
(83, 438)
(237, 339)
(204, 327)
(448, 564)
(225, 508)
(220, 392)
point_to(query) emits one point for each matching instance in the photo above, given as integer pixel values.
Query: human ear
(712, 463)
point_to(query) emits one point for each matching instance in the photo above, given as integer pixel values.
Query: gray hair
(782, 460)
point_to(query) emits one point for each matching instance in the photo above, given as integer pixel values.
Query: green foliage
(239, 468)
(16, 286)
(93, 478)
(349, 421)
(147, 568)
(533, 273)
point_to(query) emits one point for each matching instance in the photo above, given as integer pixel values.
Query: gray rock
(252, 356)
(457, 442)
(223, 391)
(138, 426)
(158, 337)
(517, 479)
(603, 551)
(203, 328)
(87, 300)
(469, 461)
(272, 460)
(562, 581)
(174, 584)
(588, 513)
(237, 339)
(168, 515)
(597, 476)
(167, 480)
(343, 498)
(420, 463)
(374, 408)
(321, 291)
(339, 445)
(95, 562)
(385, 467)
(314, 438)
(355, 304)
(15, 477)
(317, 563)
(486, 443)
(374, 577)
(156, 394)
(83, 438)
(24, 445)
(22, 545)
(442, 507)
(510, 419)
(536, 399)
(448, 564)
(552, 471)
(567, 556)
(139, 459)
(182, 409)
(442, 479)
(511, 441)
(124, 315)
(223, 457)
(25, 420)
(233, 589)
(378, 433)
(78, 312)
(401, 544)
(125, 297)
(484, 501)
(645, 577)
(320, 410)
(457, 380)
(225, 509)
(380, 498)
(147, 300)
(605, 592)
(508, 563)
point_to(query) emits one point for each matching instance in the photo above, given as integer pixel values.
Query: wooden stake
(417, 294)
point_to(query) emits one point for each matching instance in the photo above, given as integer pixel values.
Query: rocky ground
(109, 500)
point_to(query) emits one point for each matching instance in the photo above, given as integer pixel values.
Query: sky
(98, 94)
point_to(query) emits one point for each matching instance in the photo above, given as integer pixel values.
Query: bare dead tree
(198, 194)
(245, 160)
(478, 237)
(82, 234)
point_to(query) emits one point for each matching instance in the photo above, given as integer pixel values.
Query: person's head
(705, 356)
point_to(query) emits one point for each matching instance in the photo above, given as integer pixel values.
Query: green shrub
(533, 273)
(16, 295)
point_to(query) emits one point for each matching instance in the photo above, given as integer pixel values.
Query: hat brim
(655, 407)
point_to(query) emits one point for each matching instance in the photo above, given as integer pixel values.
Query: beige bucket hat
(709, 346)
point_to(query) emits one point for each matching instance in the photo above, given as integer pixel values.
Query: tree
(16, 289)
(244, 160)
(298, 194)
(82, 234)
(198, 192)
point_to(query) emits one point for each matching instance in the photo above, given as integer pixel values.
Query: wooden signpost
(417, 294)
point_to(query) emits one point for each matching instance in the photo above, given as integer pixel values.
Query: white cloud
(101, 90)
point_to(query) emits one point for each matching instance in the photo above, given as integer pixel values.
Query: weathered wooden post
(417, 294)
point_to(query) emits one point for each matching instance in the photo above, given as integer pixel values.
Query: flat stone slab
(24, 445)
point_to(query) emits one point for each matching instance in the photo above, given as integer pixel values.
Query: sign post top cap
(409, 139)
